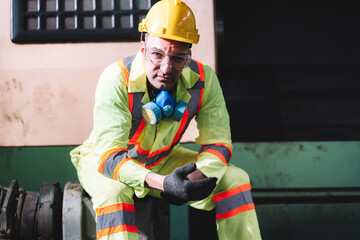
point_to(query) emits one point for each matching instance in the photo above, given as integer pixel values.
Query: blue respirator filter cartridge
(163, 107)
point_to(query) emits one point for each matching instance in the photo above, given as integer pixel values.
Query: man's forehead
(158, 42)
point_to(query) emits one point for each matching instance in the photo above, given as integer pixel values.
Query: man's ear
(142, 49)
(189, 60)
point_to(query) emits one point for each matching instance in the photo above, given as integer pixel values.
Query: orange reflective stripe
(218, 154)
(222, 151)
(232, 192)
(182, 126)
(117, 168)
(140, 163)
(131, 101)
(124, 213)
(115, 208)
(159, 151)
(126, 77)
(124, 71)
(233, 201)
(108, 231)
(202, 79)
(201, 95)
(176, 138)
(229, 148)
(106, 155)
(236, 211)
(134, 139)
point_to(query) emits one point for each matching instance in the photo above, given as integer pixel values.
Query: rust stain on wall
(11, 91)
(43, 98)
(66, 97)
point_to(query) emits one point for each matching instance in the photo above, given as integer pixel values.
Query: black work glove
(178, 189)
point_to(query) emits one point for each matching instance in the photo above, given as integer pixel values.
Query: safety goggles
(159, 59)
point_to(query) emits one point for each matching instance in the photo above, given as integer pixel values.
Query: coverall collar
(137, 80)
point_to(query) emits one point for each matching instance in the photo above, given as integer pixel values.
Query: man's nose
(166, 65)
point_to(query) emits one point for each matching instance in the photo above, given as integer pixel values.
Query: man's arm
(156, 181)
(112, 124)
(177, 188)
(214, 129)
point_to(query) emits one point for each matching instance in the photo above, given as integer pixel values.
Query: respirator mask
(164, 107)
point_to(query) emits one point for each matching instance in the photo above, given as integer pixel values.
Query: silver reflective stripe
(134, 154)
(136, 113)
(193, 104)
(128, 61)
(113, 219)
(137, 104)
(194, 66)
(112, 162)
(221, 149)
(233, 202)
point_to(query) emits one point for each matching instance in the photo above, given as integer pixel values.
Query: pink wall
(46, 90)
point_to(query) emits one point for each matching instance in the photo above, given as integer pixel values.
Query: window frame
(20, 34)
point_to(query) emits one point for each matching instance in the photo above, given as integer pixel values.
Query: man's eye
(178, 59)
(157, 54)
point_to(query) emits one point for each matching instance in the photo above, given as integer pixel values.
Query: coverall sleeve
(214, 129)
(112, 124)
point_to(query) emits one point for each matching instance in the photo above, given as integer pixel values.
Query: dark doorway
(290, 70)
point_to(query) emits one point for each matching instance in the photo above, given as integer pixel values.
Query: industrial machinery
(53, 214)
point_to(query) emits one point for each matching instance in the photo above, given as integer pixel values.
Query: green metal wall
(302, 190)
(32, 166)
(275, 169)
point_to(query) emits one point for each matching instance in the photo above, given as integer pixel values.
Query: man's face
(164, 61)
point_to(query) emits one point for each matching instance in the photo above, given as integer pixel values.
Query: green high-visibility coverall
(111, 173)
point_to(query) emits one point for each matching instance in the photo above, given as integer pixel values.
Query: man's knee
(235, 175)
(240, 174)
(113, 193)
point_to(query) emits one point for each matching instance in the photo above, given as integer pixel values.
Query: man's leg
(234, 208)
(179, 157)
(112, 200)
(235, 211)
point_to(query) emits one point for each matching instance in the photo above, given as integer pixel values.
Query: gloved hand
(178, 189)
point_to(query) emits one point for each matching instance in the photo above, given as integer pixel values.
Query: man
(134, 146)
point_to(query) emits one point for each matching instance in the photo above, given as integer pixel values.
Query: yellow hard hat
(171, 19)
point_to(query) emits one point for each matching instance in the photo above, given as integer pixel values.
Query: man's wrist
(155, 181)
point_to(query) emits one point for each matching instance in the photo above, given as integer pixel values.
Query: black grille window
(42, 21)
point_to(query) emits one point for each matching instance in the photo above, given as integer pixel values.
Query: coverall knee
(234, 207)
(112, 200)
(235, 211)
